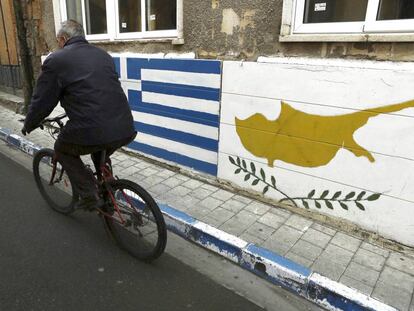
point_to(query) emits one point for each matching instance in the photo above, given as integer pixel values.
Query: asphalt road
(50, 261)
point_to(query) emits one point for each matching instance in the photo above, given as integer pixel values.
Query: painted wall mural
(334, 137)
(175, 104)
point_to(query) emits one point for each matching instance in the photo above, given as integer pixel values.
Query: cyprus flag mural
(337, 138)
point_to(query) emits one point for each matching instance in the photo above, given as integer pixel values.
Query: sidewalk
(381, 273)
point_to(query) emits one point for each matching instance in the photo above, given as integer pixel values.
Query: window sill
(173, 41)
(367, 37)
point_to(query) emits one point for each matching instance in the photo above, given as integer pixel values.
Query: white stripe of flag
(181, 77)
(176, 147)
(178, 125)
(187, 103)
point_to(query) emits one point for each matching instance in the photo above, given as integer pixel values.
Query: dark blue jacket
(83, 78)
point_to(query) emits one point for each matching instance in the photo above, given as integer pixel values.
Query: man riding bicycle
(83, 78)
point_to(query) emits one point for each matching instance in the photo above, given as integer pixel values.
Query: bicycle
(130, 214)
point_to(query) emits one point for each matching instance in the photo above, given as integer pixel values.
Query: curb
(274, 268)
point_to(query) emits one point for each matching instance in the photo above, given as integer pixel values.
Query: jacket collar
(74, 40)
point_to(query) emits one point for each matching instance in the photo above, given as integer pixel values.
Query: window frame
(112, 19)
(293, 28)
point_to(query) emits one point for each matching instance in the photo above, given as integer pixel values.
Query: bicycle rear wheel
(55, 187)
(139, 226)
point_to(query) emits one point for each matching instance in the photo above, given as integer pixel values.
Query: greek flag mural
(175, 104)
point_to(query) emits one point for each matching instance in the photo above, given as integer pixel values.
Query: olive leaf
(265, 189)
(253, 167)
(244, 164)
(262, 172)
(305, 204)
(317, 204)
(255, 182)
(273, 181)
(350, 195)
(324, 194)
(328, 204)
(374, 197)
(360, 206)
(336, 195)
(237, 171)
(344, 206)
(238, 161)
(246, 178)
(232, 160)
(311, 194)
(361, 195)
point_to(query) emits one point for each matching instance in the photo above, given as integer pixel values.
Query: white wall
(330, 89)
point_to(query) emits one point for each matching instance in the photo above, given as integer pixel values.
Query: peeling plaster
(230, 21)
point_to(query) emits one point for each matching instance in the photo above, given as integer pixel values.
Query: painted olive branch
(336, 197)
(242, 167)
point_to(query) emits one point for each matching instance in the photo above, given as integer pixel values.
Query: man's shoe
(90, 203)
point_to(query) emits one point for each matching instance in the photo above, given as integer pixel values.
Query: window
(124, 19)
(352, 16)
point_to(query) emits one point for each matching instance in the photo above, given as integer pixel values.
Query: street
(55, 262)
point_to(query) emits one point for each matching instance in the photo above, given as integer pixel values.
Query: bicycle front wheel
(53, 182)
(136, 222)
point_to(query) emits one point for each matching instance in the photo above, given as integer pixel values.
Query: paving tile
(192, 184)
(299, 259)
(400, 279)
(392, 295)
(166, 173)
(197, 211)
(283, 238)
(369, 259)
(280, 211)
(328, 268)
(233, 205)
(159, 189)
(221, 214)
(172, 182)
(210, 203)
(306, 249)
(153, 180)
(209, 187)
(126, 163)
(251, 238)
(271, 220)
(200, 193)
(234, 226)
(179, 190)
(337, 255)
(242, 199)
(325, 229)
(182, 177)
(257, 208)
(260, 230)
(345, 241)
(375, 249)
(298, 222)
(277, 246)
(362, 273)
(316, 237)
(222, 195)
(361, 287)
(131, 170)
(148, 171)
(212, 221)
(401, 262)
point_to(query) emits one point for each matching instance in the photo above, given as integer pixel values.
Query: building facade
(307, 102)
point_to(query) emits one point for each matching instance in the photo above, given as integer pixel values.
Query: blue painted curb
(260, 261)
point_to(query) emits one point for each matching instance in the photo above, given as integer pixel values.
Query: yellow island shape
(305, 139)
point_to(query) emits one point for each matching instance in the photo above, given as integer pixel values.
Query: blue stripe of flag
(135, 101)
(178, 136)
(134, 66)
(175, 157)
(117, 62)
(181, 90)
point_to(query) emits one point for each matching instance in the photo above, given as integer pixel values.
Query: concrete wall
(237, 29)
(337, 141)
